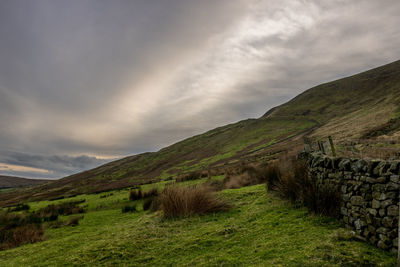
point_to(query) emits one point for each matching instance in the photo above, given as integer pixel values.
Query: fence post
(332, 146)
(322, 147)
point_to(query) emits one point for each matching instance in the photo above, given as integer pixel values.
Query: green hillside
(350, 108)
(378, 87)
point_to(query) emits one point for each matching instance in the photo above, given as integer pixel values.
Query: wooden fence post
(322, 146)
(332, 146)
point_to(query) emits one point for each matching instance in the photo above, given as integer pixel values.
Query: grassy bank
(260, 230)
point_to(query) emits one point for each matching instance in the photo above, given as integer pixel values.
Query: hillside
(349, 107)
(363, 106)
(12, 182)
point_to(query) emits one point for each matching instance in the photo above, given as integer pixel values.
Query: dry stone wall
(370, 195)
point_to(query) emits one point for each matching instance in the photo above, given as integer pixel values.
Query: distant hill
(363, 106)
(12, 182)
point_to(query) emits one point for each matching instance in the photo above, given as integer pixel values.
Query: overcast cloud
(86, 81)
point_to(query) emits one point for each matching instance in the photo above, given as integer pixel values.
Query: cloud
(55, 166)
(12, 169)
(113, 78)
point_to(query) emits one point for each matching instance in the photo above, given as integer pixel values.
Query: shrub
(147, 204)
(50, 217)
(325, 200)
(215, 185)
(151, 204)
(248, 174)
(176, 201)
(12, 220)
(292, 181)
(272, 174)
(153, 192)
(190, 176)
(20, 235)
(135, 195)
(19, 229)
(237, 181)
(128, 208)
(73, 221)
(155, 204)
(139, 194)
(22, 228)
(51, 212)
(19, 207)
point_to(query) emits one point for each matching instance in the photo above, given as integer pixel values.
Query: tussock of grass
(176, 201)
(139, 194)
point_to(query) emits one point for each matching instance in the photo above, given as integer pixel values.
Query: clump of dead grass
(177, 201)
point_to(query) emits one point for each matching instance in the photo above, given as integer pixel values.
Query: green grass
(260, 230)
(118, 197)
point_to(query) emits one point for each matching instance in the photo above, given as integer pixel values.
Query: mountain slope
(348, 109)
(376, 87)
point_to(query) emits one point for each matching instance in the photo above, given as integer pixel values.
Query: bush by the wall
(272, 176)
(325, 200)
(292, 181)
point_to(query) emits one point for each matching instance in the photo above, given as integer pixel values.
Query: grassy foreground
(260, 230)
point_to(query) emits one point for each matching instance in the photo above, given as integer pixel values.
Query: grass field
(261, 229)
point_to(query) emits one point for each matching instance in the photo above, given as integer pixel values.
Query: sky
(83, 82)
